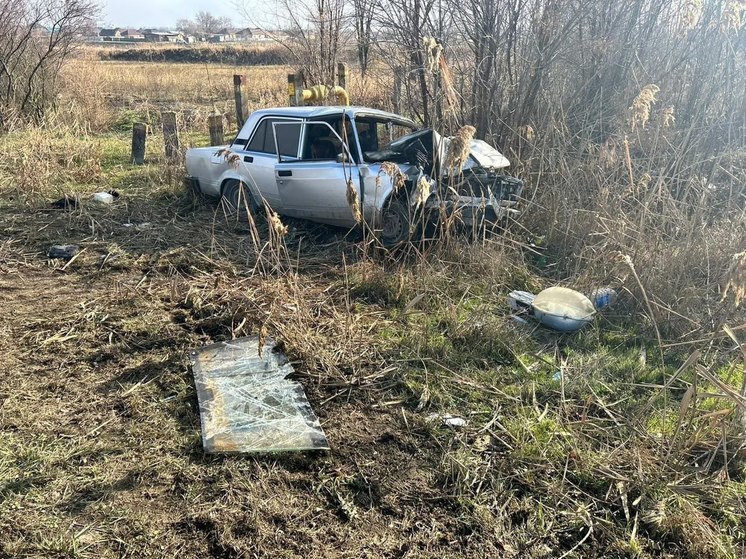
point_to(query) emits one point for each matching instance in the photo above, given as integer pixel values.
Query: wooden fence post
(170, 134)
(295, 89)
(238, 81)
(342, 75)
(291, 90)
(217, 137)
(139, 132)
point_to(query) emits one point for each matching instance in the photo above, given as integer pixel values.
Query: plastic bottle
(603, 297)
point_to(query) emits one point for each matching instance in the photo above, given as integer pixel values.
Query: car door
(311, 184)
(258, 155)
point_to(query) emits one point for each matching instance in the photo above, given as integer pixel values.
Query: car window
(321, 141)
(288, 138)
(258, 140)
(263, 140)
(375, 133)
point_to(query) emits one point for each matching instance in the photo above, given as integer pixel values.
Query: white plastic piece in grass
(563, 309)
(103, 197)
(447, 420)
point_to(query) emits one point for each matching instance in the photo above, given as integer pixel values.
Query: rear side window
(263, 139)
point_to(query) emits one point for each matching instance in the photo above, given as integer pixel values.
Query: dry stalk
(628, 261)
(735, 278)
(668, 118)
(731, 19)
(353, 201)
(393, 171)
(691, 12)
(642, 105)
(628, 161)
(459, 149)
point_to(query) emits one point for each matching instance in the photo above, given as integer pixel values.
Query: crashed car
(304, 162)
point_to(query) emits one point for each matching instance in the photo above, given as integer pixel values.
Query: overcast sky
(162, 13)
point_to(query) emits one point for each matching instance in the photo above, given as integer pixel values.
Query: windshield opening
(375, 134)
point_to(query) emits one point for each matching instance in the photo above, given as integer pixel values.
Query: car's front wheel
(395, 224)
(237, 201)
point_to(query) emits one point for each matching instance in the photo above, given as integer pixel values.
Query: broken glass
(247, 403)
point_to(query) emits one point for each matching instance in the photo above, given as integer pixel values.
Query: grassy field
(623, 440)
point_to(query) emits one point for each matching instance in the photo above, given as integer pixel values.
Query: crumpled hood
(487, 156)
(482, 153)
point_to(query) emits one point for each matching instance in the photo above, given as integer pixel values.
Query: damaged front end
(475, 193)
(481, 197)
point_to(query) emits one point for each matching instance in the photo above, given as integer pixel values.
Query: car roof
(318, 112)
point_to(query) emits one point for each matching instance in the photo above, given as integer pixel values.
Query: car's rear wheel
(237, 201)
(395, 224)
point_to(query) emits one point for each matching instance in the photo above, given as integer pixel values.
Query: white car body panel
(312, 189)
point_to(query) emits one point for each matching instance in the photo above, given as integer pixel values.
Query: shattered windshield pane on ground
(246, 402)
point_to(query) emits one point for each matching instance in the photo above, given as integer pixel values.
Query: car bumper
(478, 212)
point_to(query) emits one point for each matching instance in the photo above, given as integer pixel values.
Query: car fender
(409, 190)
(235, 174)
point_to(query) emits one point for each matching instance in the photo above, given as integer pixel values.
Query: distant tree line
(203, 23)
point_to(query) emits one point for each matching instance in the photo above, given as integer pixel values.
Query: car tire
(237, 200)
(395, 224)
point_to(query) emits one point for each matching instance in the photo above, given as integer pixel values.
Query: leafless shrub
(36, 38)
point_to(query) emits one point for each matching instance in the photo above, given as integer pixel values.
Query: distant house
(253, 34)
(109, 34)
(119, 35)
(223, 36)
(246, 34)
(132, 35)
(163, 36)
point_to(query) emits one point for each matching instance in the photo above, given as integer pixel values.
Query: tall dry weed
(643, 104)
(353, 201)
(459, 149)
(735, 278)
(731, 19)
(691, 12)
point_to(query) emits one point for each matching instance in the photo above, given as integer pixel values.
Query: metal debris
(246, 402)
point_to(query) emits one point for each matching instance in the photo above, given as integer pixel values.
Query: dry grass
(145, 88)
(589, 445)
(114, 94)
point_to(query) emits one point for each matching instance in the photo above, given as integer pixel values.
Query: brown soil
(102, 452)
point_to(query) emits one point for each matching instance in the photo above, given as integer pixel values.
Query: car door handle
(284, 173)
(248, 159)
